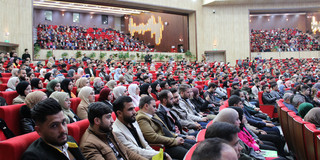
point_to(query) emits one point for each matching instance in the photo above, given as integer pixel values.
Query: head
(214, 149)
(120, 91)
(23, 88)
(287, 97)
(304, 108)
(164, 85)
(145, 89)
(228, 115)
(227, 132)
(297, 100)
(34, 97)
(50, 122)
(62, 98)
(124, 109)
(212, 87)
(166, 98)
(176, 96)
(99, 116)
(105, 94)
(236, 101)
(265, 88)
(13, 82)
(148, 105)
(86, 95)
(185, 91)
(22, 74)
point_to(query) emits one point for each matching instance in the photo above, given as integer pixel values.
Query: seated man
(54, 142)
(127, 129)
(184, 102)
(170, 119)
(99, 142)
(214, 149)
(212, 95)
(296, 101)
(267, 98)
(287, 100)
(274, 92)
(156, 132)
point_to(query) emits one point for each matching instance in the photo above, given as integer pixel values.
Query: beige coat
(94, 146)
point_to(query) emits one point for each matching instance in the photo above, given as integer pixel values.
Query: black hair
(209, 149)
(118, 104)
(162, 84)
(45, 108)
(234, 99)
(212, 85)
(273, 85)
(97, 110)
(163, 95)
(264, 87)
(172, 83)
(240, 113)
(222, 130)
(183, 87)
(236, 92)
(145, 100)
(173, 90)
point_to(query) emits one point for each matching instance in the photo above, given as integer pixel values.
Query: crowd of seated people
(280, 40)
(87, 38)
(176, 101)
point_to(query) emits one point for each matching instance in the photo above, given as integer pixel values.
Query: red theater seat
(310, 138)
(13, 148)
(10, 114)
(298, 139)
(74, 103)
(190, 152)
(201, 135)
(3, 87)
(6, 74)
(9, 96)
(269, 109)
(4, 79)
(77, 129)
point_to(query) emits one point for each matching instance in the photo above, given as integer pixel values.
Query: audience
(23, 89)
(86, 95)
(12, 83)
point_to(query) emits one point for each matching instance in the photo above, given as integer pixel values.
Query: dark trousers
(178, 152)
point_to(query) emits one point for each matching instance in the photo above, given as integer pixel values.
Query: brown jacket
(155, 131)
(94, 145)
(82, 110)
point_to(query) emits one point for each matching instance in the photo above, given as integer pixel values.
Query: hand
(257, 109)
(179, 140)
(262, 132)
(191, 137)
(270, 125)
(204, 119)
(198, 126)
(168, 156)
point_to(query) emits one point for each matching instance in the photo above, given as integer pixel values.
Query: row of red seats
(302, 137)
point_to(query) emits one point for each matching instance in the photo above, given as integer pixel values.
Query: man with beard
(155, 131)
(127, 129)
(54, 142)
(22, 74)
(99, 142)
(170, 118)
(159, 78)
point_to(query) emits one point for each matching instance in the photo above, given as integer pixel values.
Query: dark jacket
(254, 121)
(87, 71)
(26, 122)
(268, 99)
(200, 104)
(6, 131)
(168, 121)
(41, 150)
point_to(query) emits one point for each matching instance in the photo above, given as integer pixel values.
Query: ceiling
(231, 2)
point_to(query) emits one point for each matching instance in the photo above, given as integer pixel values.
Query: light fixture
(7, 34)
(91, 16)
(62, 14)
(287, 19)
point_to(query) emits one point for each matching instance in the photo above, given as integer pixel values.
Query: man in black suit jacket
(54, 142)
(170, 118)
(90, 70)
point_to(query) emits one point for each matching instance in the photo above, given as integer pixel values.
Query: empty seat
(10, 114)
(13, 148)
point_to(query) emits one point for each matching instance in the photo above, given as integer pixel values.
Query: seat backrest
(73, 130)
(10, 114)
(13, 148)
(3, 86)
(285, 127)
(201, 135)
(310, 135)
(83, 125)
(298, 125)
(260, 97)
(9, 96)
(190, 152)
(74, 103)
(318, 147)
(229, 92)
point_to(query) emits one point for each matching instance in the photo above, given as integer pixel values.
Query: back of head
(297, 100)
(43, 109)
(227, 115)
(97, 110)
(34, 97)
(209, 149)
(304, 108)
(222, 130)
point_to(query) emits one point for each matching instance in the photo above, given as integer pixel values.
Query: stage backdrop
(173, 29)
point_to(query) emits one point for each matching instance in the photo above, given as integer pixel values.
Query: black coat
(26, 122)
(41, 150)
(87, 71)
(162, 114)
